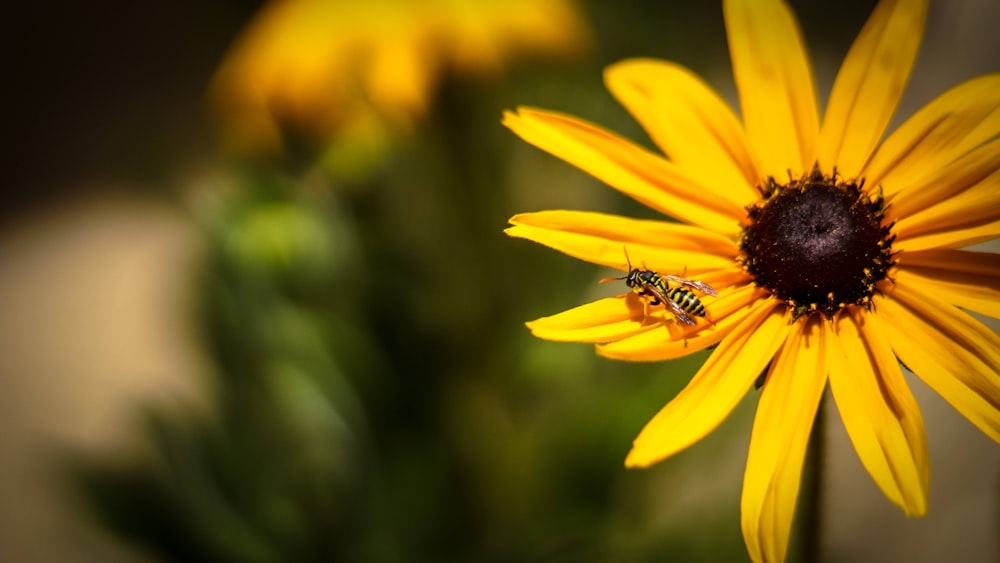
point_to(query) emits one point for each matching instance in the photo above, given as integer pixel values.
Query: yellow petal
(953, 353)
(970, 280)
(689, 122)
(604, 239)
(604, 320)
(400, 74)
(600, 250)
(627, 167)
(975, 168)
(879, 411)
(775, 84)
(785, 414)
(715, 390)
(677, 340)
(965, 219)
(953, 124)
(955, 238)
(869, 85)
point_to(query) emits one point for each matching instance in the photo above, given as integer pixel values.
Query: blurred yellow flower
(835, 252)
(337, 70)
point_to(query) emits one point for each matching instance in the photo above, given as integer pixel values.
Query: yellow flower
(835, 252)
(336, 69)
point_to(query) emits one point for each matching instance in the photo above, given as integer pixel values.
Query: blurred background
(256, 304)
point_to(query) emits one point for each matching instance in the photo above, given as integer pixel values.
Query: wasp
(678, 299)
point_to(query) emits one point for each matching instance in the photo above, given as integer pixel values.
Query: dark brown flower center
(818, 243)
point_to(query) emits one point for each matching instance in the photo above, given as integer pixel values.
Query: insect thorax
(639, 277)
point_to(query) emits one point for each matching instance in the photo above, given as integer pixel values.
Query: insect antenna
(628, 268)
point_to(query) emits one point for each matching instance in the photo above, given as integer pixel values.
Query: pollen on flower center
(818, 243)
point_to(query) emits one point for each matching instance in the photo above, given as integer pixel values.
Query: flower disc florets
(818, 243)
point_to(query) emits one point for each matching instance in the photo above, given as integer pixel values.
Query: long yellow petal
(604, 320)
(951, 223)
(775, 83)
(657, 244)
(627, 167)
(869, 85)
(977, 167)
(957, 237)
(725, 314)
(785, 414)
(970, 280)
(880, 413)
(689, 122)
(953, 124)
(953, 353)
(600, 250)
(715, 390)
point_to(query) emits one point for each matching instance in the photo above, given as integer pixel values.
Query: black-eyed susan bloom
(836, 252)
(355, 73)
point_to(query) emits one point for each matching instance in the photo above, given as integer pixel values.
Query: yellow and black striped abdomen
(686, 300)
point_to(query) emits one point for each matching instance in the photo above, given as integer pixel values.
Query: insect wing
(674, 308)
(678, 312)
(694, 284)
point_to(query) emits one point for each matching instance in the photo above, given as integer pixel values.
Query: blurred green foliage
(378, 397)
